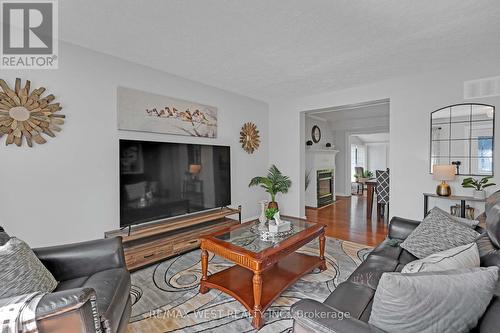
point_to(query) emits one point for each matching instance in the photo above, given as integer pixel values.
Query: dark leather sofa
(93, 291)
(355, 295)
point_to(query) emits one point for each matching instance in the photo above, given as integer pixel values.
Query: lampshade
(194, 169)
(444, 172)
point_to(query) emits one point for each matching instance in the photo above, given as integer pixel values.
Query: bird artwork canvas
(148, 112)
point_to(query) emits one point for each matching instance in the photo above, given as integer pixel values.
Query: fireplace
(324, 187)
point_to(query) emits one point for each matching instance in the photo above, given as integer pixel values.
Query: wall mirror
(463, 135)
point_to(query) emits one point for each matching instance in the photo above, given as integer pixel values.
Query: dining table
(370, 191)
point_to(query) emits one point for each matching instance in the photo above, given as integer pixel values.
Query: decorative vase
(263, 207)
(480, 194)
(272, 204)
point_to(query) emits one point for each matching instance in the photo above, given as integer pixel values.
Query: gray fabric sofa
(93, 291)
(355, 295)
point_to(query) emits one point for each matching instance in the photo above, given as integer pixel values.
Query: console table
(462, 198)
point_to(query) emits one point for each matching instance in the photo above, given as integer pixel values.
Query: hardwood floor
(346, 219)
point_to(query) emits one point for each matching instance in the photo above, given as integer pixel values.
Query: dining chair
(382, 190)
(359, 185)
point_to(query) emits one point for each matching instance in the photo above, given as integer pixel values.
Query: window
(485, 152)
(358, 153)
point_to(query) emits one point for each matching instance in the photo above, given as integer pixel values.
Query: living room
(211, 95)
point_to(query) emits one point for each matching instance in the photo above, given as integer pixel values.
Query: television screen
(159, 180)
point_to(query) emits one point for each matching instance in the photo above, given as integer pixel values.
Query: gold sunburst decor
(25, 114)
(249, 137)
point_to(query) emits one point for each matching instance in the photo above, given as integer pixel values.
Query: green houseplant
(478, 185)
(270, 213)
(365, 176)
(275, 182)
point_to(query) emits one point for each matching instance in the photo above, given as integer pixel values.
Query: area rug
(165, 296)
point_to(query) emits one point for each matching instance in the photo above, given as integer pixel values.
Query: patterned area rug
(166, 299)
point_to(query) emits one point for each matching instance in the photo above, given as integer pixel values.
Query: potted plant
(478, 185)
(270, 213)
(364, 177)
(275, 182)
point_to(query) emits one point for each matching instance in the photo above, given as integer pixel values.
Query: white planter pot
(480, 194)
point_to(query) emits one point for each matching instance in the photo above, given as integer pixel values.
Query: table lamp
(444, 173)
(194, 170)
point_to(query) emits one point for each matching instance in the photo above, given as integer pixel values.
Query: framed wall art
(147, 112)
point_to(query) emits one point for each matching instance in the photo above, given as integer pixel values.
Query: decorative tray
(262, 229)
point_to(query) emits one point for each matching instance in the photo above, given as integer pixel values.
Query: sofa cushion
(370, 271)
(484, 245)
(437, 233)
(21, 271)
(353, 298)
(465, 256)
(112, 288)
(446, 302)
(467, 222)
(490, 322)
(406, 257)
(493, 217)
(71, 284)
(388, 248)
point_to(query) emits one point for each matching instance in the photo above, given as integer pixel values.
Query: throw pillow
(493, 217)
(465, 256)
(436, 233)
(467, 222)
(432, 302)
(485, 245)
(22, 272)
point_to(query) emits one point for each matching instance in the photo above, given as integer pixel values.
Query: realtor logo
(29, 34)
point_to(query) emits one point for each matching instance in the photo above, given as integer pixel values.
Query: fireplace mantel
(322, 151)
(318, 159)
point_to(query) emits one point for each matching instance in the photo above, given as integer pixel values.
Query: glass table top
(249, 235)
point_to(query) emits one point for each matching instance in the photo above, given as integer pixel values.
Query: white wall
(326, 131)
(412, 99)
(377, 155)
(68, 189)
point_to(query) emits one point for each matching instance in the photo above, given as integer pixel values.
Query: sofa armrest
(71, 261)
(73, 310)
(400, 228)
(312, 317)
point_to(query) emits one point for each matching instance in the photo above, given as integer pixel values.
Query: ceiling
(280, 48)
(374, 138)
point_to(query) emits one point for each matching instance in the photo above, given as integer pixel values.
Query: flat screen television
(159, 180)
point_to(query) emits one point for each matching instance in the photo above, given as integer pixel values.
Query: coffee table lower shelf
(237, 281)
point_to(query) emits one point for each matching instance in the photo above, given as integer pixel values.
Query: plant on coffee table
(270, 213)
(275, 182)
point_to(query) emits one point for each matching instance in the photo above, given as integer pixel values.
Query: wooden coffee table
(263, 269)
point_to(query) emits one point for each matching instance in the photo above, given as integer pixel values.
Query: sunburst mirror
(249, 137)
(25, 114)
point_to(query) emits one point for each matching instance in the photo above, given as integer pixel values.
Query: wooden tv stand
(152, 242)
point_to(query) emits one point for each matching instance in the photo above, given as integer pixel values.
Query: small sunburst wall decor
(25, 114)
(249, 138)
